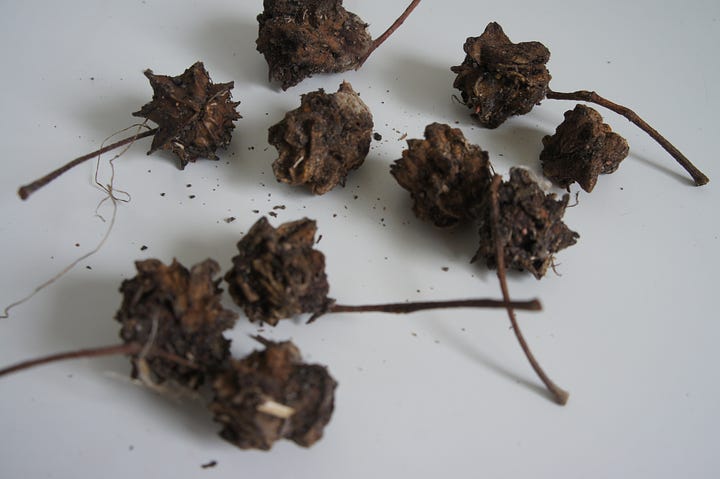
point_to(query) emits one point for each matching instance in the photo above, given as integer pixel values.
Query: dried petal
(530, 226)
(582, 148)
(179, 312)
(271, 395)
(499, 79)
(301, 38)
(446, 176)
(277, 273)
(194, 115)
(320, 142)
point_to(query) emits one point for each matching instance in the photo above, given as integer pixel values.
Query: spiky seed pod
(300, 39)
(446, 176)
(194, 115)
(324, 139)
(530, 226)
(499, 79)
(271, 395)
(582, 148)
(277, 273)
(178, 311)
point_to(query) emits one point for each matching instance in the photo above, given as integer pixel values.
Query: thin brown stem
(113, 350)
(379, 40)
(560, 395)
(405, 308)
(592, 97)
(25, 191)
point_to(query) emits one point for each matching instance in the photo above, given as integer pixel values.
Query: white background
(629, 327)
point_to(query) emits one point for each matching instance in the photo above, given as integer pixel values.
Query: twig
(405, 308)
(379, 40)
(116, 349)
(25, 191)
(560, 395)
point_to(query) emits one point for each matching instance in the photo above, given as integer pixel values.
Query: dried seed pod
(320, 142)
(530, 226)
(300, 39)
(177, 311)
(499, 79)
(194, 115)
(582, 148)
(272, 395)
(277, 273)
(446, 176)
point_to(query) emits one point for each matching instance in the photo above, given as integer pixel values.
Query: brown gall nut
(447, 177)
(302, 38)
(277, 273)
(499, 79)
(178, 311)
(271, 395)
(321, 141)
(530, 226)
(582, 148)
(194, 115)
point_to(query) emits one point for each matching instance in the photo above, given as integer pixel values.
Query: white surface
(630, 328)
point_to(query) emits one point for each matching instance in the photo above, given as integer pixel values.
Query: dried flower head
(302, 38)
(499, 79)
(446, 176)
(530, 226)
(271, 395)
(582, 148)
(194, 115)
(179, 312)
(277, 273)
(320, 142)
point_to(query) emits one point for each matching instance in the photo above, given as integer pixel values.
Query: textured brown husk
(324, 139)
(194, 115)
(530, 226)
(446, 176)
(499, 79)
(301, 38)
(276, 374)
(179, 312)
(277, 273)
(582, 148)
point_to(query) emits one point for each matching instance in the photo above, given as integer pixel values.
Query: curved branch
(560, 395)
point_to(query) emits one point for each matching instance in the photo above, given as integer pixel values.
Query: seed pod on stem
(302, 38)
(194, 116)
(499, 79)
(529, 224)
(278, 274)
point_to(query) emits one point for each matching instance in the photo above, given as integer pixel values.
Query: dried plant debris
(178, 311)
(277, 273)
(324, 139)
(302, 38)
(582, 148)
(530, 226)
(271, 395)
(499, 79)
(446, 176)
(194, 115)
